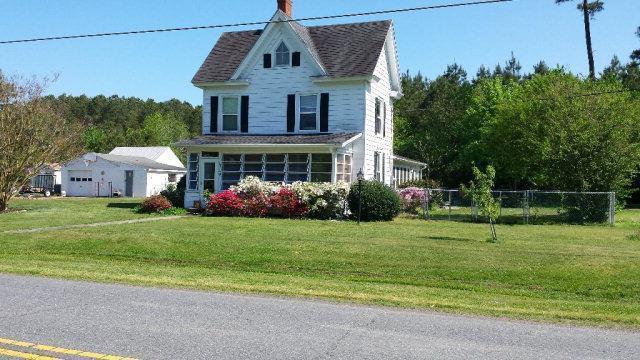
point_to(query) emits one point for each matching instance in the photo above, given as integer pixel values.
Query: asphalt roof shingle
(344, 50)
(294, 139)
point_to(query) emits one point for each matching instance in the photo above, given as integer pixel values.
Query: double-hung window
(344, 168)
(283, 56)
(379, 123)
(377, 166)
(309, 112)
(230, 113)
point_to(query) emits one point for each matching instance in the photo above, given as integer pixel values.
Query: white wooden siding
(382, 142)
(269, 88)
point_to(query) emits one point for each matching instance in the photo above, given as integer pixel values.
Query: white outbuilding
(126, 171)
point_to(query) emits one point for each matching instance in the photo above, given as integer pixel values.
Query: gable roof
(344, 50)
(149, 152)
(136, 161)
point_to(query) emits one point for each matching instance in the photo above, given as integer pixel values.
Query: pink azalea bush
(413, 199)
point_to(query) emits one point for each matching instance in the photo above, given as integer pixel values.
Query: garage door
(80, 183)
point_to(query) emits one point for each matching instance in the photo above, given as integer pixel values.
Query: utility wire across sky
(202, 27)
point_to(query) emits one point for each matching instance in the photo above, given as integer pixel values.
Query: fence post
(612, 208)
(525, 207)
(500, 195)
(450, 191)
(426, 203)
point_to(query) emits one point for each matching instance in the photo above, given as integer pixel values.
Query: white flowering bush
(252, 186)
(325, 200)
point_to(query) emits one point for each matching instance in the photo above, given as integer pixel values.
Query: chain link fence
(525, 207)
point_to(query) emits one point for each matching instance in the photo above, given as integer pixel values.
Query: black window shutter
(213, 126)
(291, 113)
(267, 61)
(244, 114)
(295, 59)
(324, 112)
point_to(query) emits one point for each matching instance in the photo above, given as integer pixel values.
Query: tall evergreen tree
(635, 55)
(589, 9)
(541, 68)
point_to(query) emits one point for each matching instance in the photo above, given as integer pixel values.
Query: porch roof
(336, 140)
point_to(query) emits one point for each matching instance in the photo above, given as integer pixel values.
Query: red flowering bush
(155, 204)
(226, 203)
(255, 206)
(286, 203)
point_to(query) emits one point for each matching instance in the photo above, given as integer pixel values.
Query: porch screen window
(194, 160)
(309, 112)
(274, 167)
(298, 168)
(378, 116)
(344, 168)
(231, 170)
(230, 113)
(376, 166)
(321, 166)
(283, 57)
(253, 165)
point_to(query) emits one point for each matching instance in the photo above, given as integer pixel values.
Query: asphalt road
(150, 323)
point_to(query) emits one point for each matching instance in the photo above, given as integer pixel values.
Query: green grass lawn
(576, 274)
(55, 211)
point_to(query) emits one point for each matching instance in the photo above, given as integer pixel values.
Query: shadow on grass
(123, 205)
(444, 238)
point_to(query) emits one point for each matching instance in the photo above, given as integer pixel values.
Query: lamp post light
(360, 179)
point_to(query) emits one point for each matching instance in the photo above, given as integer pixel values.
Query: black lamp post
(360, 179)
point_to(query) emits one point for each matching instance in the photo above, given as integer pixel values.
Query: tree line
(546, 129)
(113, 121)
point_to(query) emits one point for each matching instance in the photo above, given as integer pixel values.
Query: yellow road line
(58, 350)
(21, 355)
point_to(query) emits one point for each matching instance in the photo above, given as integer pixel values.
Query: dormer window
(283, 56)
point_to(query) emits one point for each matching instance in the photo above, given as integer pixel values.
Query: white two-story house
(298, 103)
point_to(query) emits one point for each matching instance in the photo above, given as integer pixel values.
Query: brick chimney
(286, 6)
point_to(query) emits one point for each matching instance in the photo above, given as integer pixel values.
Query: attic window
(283, 56)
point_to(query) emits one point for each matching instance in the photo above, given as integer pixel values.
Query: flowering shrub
(226, 203)
(413, 199)
(255, 198)
(325, 201)
(252, 186)
(287, 204)
(255, 206)
(155, 204)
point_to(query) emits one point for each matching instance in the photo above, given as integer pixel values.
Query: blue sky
(160, 66)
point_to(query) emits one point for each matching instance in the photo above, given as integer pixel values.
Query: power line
(138, 32)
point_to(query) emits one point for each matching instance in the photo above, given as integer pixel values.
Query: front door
(128, 183)
(209, 176)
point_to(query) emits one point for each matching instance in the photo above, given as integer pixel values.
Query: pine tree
(589, 9)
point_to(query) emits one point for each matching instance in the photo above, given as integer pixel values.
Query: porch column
(334, 166)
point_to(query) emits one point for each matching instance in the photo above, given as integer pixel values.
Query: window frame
(377, 172)
(344, 167)
(191, 172)
(378, 116)
(223, 114)
(277, 52)
(300, 113)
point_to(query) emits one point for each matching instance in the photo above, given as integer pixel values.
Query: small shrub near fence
(529, 206)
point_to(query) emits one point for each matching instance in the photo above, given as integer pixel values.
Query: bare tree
(589, 9)
(33, 133)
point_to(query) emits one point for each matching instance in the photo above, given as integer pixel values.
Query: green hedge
(379, 201)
